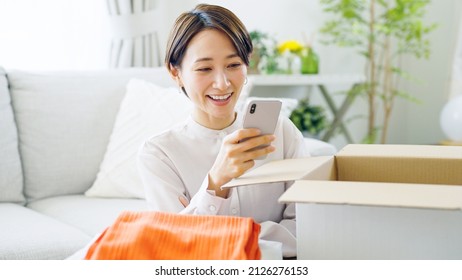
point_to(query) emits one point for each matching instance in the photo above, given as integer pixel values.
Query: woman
(183, 168)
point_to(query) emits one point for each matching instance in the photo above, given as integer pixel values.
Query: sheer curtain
(135, 39)
(456, 73)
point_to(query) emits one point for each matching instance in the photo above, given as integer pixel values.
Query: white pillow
(146, 109)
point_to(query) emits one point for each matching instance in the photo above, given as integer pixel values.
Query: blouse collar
(203, 131)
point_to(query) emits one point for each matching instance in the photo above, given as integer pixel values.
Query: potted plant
(265, 54)
(290, 49)
(383, 32)
(310, 119)
(260, 50)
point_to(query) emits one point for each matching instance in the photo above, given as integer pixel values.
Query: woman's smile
(220, 100)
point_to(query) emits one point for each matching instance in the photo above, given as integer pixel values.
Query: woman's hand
(236, 157)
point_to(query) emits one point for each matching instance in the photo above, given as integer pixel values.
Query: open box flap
(317, 168)
(375, 194)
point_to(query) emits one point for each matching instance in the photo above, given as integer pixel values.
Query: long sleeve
(164, 186)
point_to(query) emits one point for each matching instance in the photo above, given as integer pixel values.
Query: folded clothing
(169, 236)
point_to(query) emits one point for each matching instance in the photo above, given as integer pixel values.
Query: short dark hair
(203, 17)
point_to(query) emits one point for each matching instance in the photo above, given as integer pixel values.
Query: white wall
(54, 34)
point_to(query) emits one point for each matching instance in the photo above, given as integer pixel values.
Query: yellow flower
(291, 45)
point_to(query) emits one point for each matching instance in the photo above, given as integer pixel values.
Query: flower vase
(290, 62)
(309, 61)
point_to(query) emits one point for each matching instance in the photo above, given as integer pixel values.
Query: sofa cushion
(147, 109)
(28, 235)
(11, 182)
(89, 214)
(64, 121)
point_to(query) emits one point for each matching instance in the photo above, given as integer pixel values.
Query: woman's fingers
(183, 201)
(247, 139)
(242, 135)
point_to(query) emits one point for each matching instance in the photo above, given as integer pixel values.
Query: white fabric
(28, 235)
(318, 148)
(175, 163)
(11, 183)
(135, 25)
(146, 110)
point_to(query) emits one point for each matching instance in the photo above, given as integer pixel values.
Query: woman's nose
(221, 81)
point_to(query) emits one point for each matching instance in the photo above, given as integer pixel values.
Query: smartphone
(264, 115)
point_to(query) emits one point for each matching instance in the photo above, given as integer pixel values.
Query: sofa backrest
(64, 121)
(11, 180)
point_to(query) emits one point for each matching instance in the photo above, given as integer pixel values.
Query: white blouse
(176, 163)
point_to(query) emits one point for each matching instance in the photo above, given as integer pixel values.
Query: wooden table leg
(338, 113)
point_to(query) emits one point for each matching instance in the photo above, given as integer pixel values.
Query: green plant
(260, 49)
(382, 31)
(265, 53)
(309, 118)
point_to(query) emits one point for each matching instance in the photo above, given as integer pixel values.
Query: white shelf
(305, 80)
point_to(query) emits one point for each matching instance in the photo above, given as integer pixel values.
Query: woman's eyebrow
(203, 59)
(210, 59)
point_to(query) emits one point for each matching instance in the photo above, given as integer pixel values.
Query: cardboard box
(374, 201)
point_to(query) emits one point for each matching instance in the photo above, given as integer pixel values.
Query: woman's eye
(205, 69)
(235, 65)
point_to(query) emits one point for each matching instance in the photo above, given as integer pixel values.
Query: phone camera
(252, 108)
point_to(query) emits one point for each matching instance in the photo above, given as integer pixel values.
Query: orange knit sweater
(168, 236)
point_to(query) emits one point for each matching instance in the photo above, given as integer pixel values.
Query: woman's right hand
(236, 157)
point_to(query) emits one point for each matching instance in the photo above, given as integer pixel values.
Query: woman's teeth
(220, 97)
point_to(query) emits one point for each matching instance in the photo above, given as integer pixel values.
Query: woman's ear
(175, 74)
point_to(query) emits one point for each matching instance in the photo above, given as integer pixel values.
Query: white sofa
(54, 131)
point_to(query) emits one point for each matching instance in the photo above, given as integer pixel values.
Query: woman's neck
(215, 123)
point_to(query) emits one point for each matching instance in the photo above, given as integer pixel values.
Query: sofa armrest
(319, 148)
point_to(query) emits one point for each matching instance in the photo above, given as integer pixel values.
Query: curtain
(134, 25)
(456, 73)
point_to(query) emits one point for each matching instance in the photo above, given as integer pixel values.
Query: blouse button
(234, 211)
(212, 208)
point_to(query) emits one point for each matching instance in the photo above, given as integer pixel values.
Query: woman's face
(213, 75)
